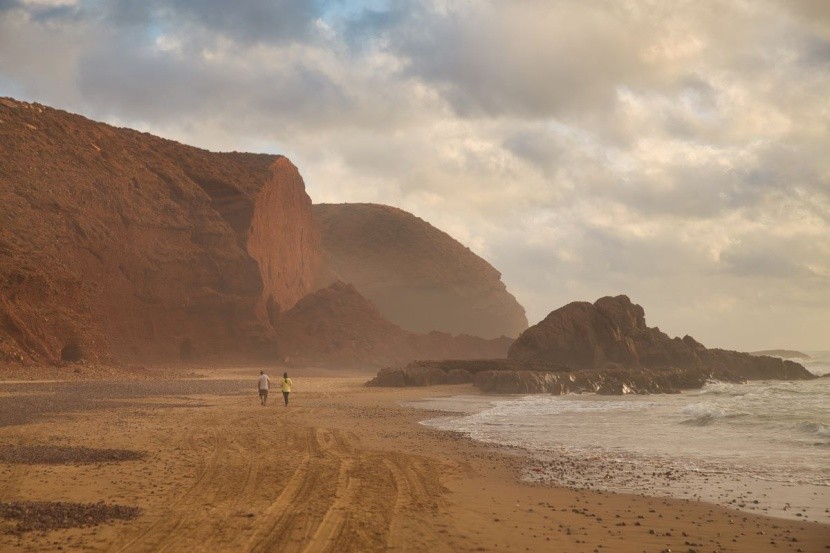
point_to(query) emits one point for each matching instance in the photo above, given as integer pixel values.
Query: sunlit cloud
(673, 153)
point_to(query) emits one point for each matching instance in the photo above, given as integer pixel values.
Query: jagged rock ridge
(604, 347)
(419, 277)
(613, 330)
(116, 241)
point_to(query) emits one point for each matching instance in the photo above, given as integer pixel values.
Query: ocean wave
(718, 388)
(818, 364)
(704, 414)
(536, 406)
(815, 428)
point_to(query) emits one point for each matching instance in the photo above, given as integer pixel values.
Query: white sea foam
(703, 414)
(816, 428)
(770, 432)
(765, 430)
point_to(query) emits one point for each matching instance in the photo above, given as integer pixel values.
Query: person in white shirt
(264, 385)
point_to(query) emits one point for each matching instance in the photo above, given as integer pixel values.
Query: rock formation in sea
(783, 353)
(419, 277)
(604, 347)
(117, 242)
(613, 330)
(338, 326)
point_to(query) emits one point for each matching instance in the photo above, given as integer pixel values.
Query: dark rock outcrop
(118, 243)
(516, 377)
(613, 330)
(419, 277)
(605, 348)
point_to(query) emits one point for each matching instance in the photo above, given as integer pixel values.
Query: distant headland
(783, 353)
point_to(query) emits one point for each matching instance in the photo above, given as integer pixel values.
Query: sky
(674, 151)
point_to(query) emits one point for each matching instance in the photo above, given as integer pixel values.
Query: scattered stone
(43, 516)
(64, 455)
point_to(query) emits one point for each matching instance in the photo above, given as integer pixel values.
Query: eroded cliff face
(116, 242)
(283, 240)
(419, 277)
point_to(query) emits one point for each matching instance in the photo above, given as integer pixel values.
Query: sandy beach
(343, 468)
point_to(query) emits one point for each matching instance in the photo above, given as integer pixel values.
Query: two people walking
(264, 384)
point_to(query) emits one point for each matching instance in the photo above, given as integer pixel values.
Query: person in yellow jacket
(285, 384)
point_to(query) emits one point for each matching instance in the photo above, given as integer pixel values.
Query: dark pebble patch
(27, 401)
(64, 455)
(43, 516)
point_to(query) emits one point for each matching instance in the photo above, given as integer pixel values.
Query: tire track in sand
(295, 516)
(158, 534)
(408, 529)
(325, 538)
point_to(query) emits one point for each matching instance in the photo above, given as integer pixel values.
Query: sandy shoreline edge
(344, 468)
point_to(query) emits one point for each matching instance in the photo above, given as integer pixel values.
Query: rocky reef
(508, 377)
(516, 377)
(604, 347)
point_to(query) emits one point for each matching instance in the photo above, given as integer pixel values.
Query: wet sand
(343, 468)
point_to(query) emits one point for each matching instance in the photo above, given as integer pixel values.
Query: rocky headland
(419, 277)
(783, 353)
(120, 246)
(605, 347)
(119, 243)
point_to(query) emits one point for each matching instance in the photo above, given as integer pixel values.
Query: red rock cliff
(419, 277)
(118, 242)
(281, 240)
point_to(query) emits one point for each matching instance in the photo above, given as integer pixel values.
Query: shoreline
(661, 475)
(344, 468)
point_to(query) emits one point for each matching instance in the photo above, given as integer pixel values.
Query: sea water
(763, 446)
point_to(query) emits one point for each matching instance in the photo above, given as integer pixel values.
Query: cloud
(520, 59)
(246, 21)
(674, 153)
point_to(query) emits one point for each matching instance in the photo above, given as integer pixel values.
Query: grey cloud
(42, 12)
(816, 53)
(537, 59)
(245, 21)
(538, 146)
(815, 13)
(766, 255)
(760, 263)
(155, 87)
